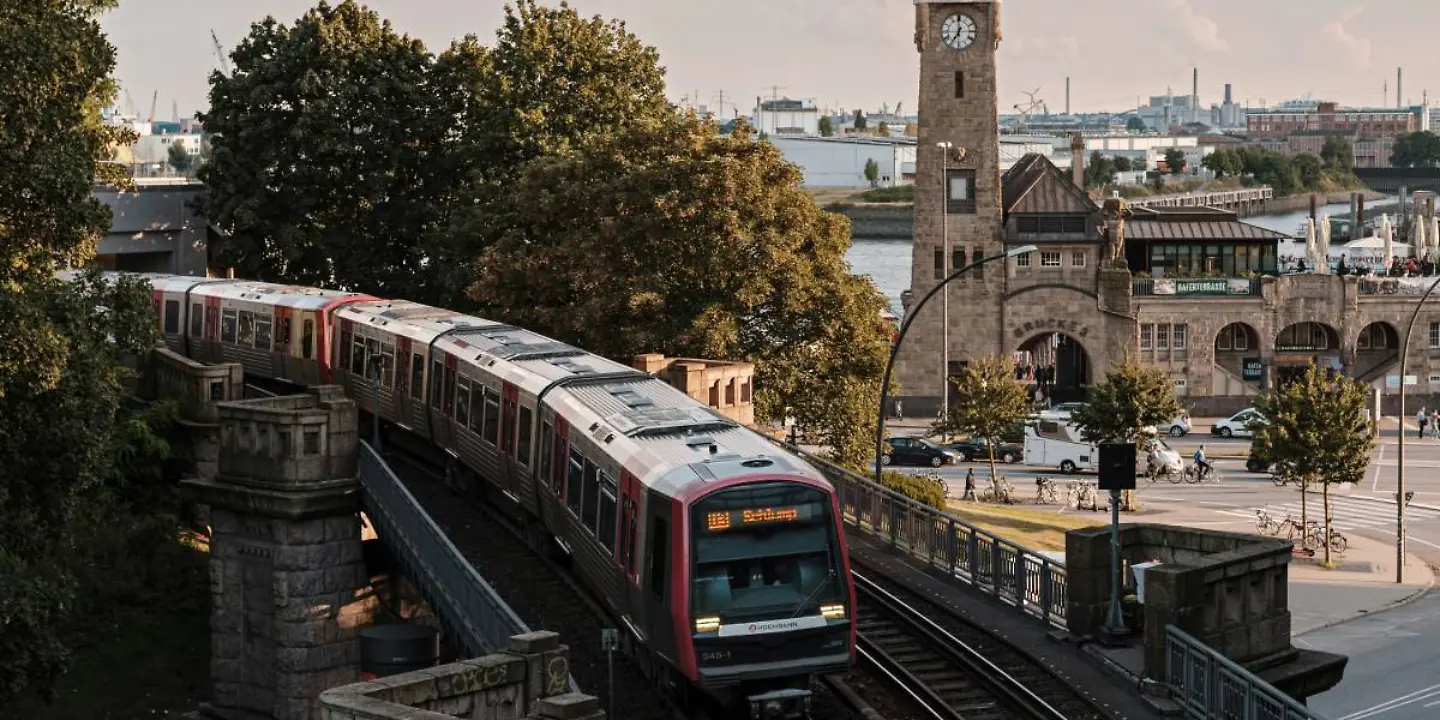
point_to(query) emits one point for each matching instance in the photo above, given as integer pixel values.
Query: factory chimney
(1399, 96)
(1067, 95)
(1195, 93)
(1227, 93)
(1077, 162)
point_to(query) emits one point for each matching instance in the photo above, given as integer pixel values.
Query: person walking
(969, 485)
(1420, 420)
(1435, 422)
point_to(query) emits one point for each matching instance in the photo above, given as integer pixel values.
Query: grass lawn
(1035, 526)
(146, 660)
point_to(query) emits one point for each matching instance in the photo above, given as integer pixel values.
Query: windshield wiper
(825, 583)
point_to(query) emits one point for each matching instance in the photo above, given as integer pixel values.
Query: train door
(400, 393)
(338, 370)
(211, 344)
(660, 571)
(509, 399)
(305, 344)
(629, 532)
(443, 367)
(282, 363)
(157, 298)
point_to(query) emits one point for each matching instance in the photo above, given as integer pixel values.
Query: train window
(574, 490)
(172, 317)
(587, 512)
(449, 391)
(372, 356)
(387, 365)
(462, 403)
(523, 453)
(436, 368)
(659, 549)
(246, 338)
(197, 320)
(307, 339)
(607, 513)
(262, 332)
(282, 336)
(545, 441)
(492, 417)
(227, 325)
(477, 409)
(357, 357)
(417, 376)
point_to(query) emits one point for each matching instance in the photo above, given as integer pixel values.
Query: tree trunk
(1304, 510)
(991, 446)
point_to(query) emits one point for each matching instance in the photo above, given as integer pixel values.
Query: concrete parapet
(200, 388)
(727, 386)
(1227, 590)
(291, 440)
(527, 681)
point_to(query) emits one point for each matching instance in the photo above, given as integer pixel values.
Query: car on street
(917, 451)
(978, 449)
(1179, 427)
(1241, 424)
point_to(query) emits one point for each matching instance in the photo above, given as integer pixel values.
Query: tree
(179, 159)
(1135, 124)
(672, 238)
(552, 81)
(60, 342)
(859, 120)
(1317, 430)
(1100, 171)
(872, 171)
(1175, 160)
(883, 129)
(827, 128)
(1122, 163)
(325, 141)
(1308, 168)
(1132, 399)
(1338, 154)
(1223, 162)
(1417, 149)
(989, 401)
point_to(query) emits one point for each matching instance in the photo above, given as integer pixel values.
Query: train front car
(771, 596)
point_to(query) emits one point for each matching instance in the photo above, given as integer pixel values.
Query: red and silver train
(723, 556)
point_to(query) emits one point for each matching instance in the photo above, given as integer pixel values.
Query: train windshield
(765, 551)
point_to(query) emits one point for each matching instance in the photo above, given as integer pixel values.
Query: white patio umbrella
(1434, 235)
(1324, 241)
(1418, 239)
(1310, 244)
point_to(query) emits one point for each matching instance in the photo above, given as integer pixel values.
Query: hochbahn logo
(773, 626)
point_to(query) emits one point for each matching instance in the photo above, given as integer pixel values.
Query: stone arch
(1377, 348)
(1063, 365)
(1238, 358)
(1301, 343)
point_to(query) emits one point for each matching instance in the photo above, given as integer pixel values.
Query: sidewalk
(1363, 583)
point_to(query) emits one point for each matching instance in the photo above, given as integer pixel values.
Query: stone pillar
(287, 579)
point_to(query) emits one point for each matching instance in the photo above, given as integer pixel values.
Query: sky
(860, 53)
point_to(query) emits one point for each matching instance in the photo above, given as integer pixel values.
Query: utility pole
(945, 294)
(720, 104)
(774, 111)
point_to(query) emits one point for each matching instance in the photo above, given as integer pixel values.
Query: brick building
(1371, 131)
(1191, 290)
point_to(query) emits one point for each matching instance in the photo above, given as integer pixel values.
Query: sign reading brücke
(1069, 327)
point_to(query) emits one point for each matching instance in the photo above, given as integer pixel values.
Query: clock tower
(957, 197)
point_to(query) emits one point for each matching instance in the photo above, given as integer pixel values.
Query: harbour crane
(1034, 104)
(220, 54)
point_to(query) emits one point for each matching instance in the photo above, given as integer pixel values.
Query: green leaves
(989, 401)
(1130, 398)
(1317, 428)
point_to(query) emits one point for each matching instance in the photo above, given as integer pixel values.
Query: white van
(1052, 443)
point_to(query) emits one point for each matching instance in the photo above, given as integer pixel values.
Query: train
(721, 555)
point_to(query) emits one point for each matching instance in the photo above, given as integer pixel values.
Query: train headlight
(707, 624)
(833, 612)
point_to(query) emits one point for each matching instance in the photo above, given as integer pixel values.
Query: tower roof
(1034, 185)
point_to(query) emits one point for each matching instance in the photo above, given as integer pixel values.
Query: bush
(918, 489)
(898, 193)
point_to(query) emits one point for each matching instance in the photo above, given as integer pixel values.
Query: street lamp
(900, 338)
(1400, 449)
(945, 299)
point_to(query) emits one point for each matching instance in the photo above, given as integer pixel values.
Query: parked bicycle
(1045, 491)
(1265, 524)
(1316, 538)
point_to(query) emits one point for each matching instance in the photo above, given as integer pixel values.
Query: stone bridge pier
(288, 584)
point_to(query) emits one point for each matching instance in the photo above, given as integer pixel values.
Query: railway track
(951, 669)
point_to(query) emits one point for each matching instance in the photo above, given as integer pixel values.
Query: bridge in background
(1393, 180)
(1246, 201)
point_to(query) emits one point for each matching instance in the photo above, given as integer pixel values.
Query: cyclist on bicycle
(1201, 466)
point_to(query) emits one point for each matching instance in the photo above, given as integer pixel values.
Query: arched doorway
(1237, 353)
(1062, 367)
(1377, 347)
(1298, 345)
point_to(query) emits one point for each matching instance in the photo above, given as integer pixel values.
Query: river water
(887, 262)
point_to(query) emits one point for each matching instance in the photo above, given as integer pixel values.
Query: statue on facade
(1115, 211)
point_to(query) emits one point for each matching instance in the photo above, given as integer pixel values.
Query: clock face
(958, 31)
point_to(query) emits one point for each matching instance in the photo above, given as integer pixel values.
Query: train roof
(294, 296)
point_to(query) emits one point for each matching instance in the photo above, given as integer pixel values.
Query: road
(1392, 671)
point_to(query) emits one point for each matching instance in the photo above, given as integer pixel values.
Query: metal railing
(1016, 575)
(1209, 685)
(471, 611)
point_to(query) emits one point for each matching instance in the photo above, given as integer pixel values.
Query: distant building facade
(728, 387)
(787, 117)
(154, 229)
(1371, 131)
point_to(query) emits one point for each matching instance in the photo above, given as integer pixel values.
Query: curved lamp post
(1400, 499)
(900, 337)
